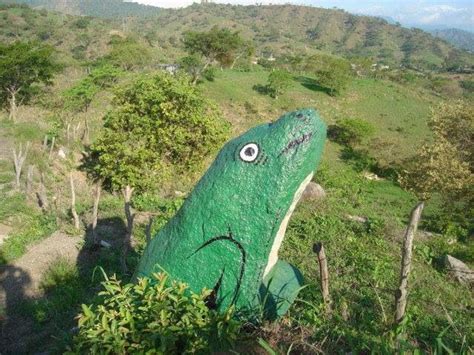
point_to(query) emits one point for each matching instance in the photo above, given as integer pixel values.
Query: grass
(33, 228)
(363, 257)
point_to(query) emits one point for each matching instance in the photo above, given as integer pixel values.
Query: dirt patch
(4, 232)
(20, 281)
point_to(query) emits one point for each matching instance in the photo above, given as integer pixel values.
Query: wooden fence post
(318, 248)
(407, 248)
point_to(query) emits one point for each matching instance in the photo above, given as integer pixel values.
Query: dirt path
(19, 281)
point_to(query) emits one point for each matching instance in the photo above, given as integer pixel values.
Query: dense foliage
(153, 317)
(160, 124)
(22, 67)
(331, 73)
(278, 82)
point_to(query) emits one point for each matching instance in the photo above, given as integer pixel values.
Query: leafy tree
(454, 122)
(278, 82)
(79, 97)
(219, 45)
(23, 66)
(160, 124)
(128, 54)
(192, 64)
(332, 73)
(445, 165)
(351, 131)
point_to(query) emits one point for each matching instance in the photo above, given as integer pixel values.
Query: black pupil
(249, 151)
(299, 115)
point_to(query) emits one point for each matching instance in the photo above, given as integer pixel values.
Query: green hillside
(291, 29)
(283, 29)
(50, 267)
(97, 8)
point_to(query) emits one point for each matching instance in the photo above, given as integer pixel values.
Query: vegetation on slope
(96, 8)
(360, 221)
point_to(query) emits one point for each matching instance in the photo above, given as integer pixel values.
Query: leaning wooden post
(407, 248)
(73, 203)
(95, 211)
(318, 248)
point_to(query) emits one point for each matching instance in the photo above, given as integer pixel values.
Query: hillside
(459, 38)
(97, 8)
(280, 29)
(50, 266)
(291, 29)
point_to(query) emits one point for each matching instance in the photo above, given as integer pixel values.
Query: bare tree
(402, 291)
(18, 160)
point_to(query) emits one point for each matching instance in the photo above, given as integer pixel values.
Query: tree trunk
(42, 195)
(402, 291)
(53, 141)
(73, 203)
(85, 136)
(13, 105)
(95, 211)
(127, 242)
(318, 248)
(29, 180)
(148, 230)
(45, 143)
(196, 78)
(18, 160)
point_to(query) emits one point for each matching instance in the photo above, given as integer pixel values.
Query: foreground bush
(154, 317)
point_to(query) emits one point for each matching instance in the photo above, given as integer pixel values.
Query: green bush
(278, 82)
(332, 73)
(153, 317)
(351, 131)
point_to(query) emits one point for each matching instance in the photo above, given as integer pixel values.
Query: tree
(79, 97)
(128, 54)
(442, 167)
(351, 131)
(278, 82)
(22, 67)
(219, 45)
(445, 165)
(160, 124)
(333, 74)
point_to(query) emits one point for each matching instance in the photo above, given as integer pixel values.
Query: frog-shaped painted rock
(227, 234)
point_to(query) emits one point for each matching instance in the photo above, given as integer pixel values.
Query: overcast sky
(456, 13)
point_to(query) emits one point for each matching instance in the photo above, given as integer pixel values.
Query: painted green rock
(227, 234)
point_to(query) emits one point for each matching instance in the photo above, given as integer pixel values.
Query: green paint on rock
(227, 234)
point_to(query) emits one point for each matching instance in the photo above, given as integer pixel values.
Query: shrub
(333, 74)
(152, 316)
(278, 82)
(351, 131)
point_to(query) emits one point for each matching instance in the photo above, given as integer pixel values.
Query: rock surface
(313, 192)
(459, 270)
(227, 234)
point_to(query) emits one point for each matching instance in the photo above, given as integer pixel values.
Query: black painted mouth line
(242, 262)
(296, 142)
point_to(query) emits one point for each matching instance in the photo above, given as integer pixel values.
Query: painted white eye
(249, 152)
